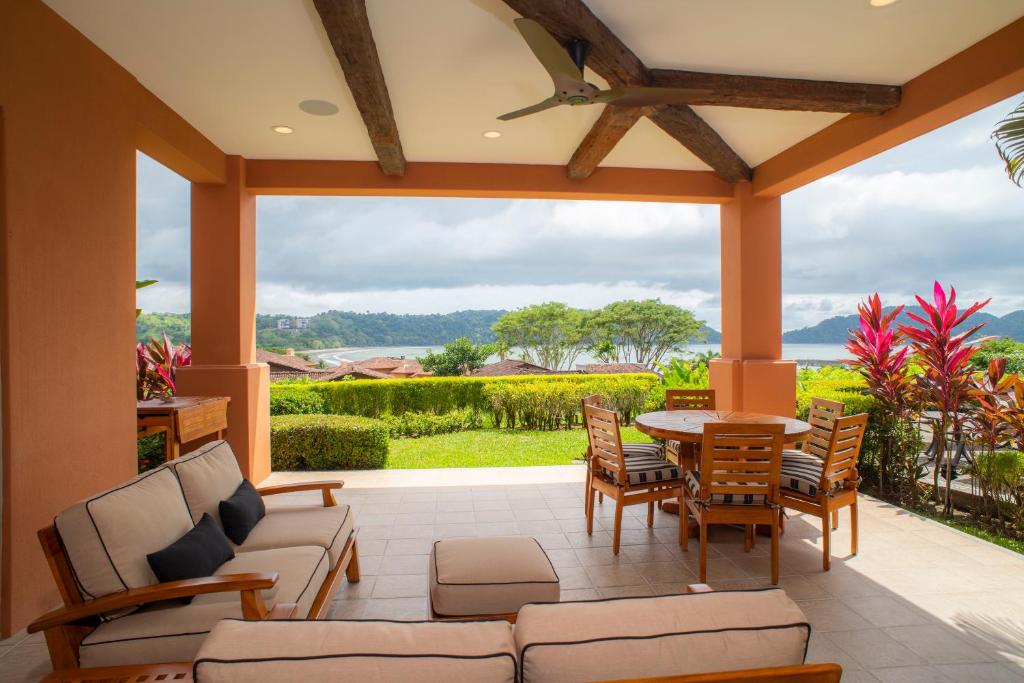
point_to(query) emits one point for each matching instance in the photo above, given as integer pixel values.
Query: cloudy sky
(937, 207)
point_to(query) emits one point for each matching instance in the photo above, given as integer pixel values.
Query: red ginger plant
(947, 380)
(880, 359)
(156, 365)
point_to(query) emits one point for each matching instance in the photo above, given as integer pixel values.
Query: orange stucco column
(224, 316)
(751, 374)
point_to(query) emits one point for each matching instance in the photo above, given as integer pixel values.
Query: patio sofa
(116, 612)
(595, 640)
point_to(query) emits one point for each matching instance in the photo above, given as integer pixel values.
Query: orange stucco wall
(72, 120)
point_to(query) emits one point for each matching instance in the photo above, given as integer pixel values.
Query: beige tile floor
(920, 602)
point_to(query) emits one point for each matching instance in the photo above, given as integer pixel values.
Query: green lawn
(494, 448)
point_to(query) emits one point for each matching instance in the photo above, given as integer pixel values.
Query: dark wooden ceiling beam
(694, 133)
(791, 94)
(606, 132)
(348, 29)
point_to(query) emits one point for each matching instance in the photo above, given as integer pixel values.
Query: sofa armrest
(246, 584)
(327, 488)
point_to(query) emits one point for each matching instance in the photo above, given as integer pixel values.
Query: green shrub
(327, 442)
(427, 424)
(294, 400)
(553, 402)
(150, 450)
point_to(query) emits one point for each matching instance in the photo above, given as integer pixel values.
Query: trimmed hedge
(549, 404)
(442, 395)
(327, 442)
(428, 424)
(295, 400)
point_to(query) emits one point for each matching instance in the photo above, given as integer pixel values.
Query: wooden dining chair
(686, 399)
(737, 482)
(629, 449)
(630, 481)
(822, 417)
(821, 487)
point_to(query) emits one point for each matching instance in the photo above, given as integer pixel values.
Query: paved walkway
(921, 602)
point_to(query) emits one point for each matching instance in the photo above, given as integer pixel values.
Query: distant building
(612, 368)
(285, 365)
(381, 367)
(511, 366)
(293, 323)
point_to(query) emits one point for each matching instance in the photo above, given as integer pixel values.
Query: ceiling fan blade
(549, 52)
(641, 96)
(532, 109)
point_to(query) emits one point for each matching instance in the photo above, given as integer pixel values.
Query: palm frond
(1009, 137)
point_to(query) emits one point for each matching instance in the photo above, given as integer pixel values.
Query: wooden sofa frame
(182, 671)
(66, 627)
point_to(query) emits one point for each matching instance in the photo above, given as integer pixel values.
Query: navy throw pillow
(196, 554)
(240, 513)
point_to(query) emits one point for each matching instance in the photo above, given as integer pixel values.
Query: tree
(1009, 137)
(551, 334)
(459, 357)
(644, 331)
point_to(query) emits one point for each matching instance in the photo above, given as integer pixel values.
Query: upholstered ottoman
(489, 577)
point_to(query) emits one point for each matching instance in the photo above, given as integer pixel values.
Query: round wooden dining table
(687, 427)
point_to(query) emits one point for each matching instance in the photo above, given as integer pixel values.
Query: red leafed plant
(156, 365)
(945, 356)
(882, 362)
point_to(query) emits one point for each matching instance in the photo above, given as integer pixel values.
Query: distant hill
(836, 330)
(333, 329)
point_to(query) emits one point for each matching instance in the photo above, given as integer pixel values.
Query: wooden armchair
(822, 486)
(683, 454)
(629, 481)
(737, 483)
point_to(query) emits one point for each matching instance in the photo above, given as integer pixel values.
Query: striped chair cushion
(672, 446)
(801, 472)
(642, 469)
(650, 450)
(693, 481)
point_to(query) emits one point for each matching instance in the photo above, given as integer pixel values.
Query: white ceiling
(234, 68)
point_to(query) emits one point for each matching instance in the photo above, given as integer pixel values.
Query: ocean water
(798, 352)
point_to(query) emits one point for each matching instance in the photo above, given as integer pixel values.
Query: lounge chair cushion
(497, 575)
(108, 536)
(172, 632)
(650, 450)
(630, 638)
(363, 651)
(208, 476)
(283, 527)
(645, 469)
(693, 483)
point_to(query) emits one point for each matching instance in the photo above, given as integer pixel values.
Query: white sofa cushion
(363, 651)
(285, 527)
(208, 476)
(172, 632)
(108, 536)
(659, 636)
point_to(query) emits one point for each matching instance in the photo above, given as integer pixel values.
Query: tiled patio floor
(919, 603)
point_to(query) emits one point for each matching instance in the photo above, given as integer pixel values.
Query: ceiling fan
(565, 66)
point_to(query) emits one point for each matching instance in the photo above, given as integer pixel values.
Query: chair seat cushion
(172, 632)
(284, 527)
(636, 638)
(801, 472)
(650, 450)
(647, 470)
(496, 575)
(693, 483)
(363, 651)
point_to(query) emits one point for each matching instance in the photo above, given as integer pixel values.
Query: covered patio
(783, 95)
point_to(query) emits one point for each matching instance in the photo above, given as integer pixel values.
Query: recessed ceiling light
(491, 134)
(318, 107)
(881, 3)
(283, 130)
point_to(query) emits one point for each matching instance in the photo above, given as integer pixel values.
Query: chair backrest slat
(743, 459)
(822, 417)
(690, 399)
(843, 452)
(605, 441)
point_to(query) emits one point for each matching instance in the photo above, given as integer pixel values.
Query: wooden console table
(183, 419)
